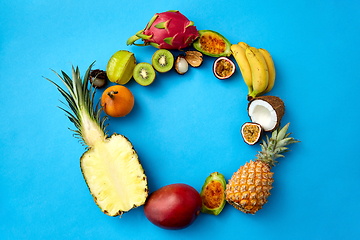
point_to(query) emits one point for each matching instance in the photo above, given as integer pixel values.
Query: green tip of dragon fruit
(167, 30)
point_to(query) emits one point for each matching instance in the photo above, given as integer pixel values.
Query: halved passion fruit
(223, 68)
(251, 132)
(213, 44)
(213, 194)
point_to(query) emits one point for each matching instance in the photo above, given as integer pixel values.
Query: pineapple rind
(249, 187)
(114, 175)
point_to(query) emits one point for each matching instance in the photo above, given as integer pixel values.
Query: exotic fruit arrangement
(111, 166)
(168, 30)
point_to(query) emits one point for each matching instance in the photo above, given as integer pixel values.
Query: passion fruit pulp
(223, 68)
(213, 194)
(251, 132)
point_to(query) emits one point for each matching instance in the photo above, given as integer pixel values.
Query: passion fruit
(223, 68)
(251, 132)
(213, 194)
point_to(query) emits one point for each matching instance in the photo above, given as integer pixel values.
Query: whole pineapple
(249, 187)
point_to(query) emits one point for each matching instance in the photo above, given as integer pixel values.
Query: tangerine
(117, 101)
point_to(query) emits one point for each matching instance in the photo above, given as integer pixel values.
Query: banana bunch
(257, 68)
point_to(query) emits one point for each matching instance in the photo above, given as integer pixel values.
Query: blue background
(183, 127)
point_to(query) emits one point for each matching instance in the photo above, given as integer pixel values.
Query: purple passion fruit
(223, 68)
(174, 206)
(213, 194)
(251, 132)
(213, 44)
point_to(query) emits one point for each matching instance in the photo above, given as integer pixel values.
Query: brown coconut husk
(276, 103)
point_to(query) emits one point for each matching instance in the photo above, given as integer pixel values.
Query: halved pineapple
(110, 166)
(114, 175)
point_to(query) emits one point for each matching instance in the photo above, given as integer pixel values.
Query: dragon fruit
(167, 30)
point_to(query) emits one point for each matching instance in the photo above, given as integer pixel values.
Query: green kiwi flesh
(144, 74)
(162, 60)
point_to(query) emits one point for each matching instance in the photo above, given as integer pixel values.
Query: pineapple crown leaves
(273, 147)
(79, 97)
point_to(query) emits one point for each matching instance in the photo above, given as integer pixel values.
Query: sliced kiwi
(144, 74)
(162, 60)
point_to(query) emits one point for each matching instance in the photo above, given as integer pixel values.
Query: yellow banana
(259, 71)
(243, 45)
(271, 67)
(238, 52)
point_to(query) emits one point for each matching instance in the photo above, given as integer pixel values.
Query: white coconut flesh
(263, 113)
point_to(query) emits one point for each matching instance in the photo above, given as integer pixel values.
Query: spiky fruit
(167, 30)
(110, 166)
(249, 187)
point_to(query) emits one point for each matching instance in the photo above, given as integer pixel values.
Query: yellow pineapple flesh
(249, 187)
(110, 166)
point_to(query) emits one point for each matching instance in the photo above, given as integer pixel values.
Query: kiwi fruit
(162, 60)
(144, 74)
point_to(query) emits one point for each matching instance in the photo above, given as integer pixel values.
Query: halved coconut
(266, 111)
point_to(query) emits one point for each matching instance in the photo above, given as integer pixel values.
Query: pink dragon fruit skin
(167, 30)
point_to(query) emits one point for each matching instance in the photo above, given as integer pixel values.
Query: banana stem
(252, 95)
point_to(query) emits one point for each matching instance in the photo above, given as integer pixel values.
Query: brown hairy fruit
(266, 111)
